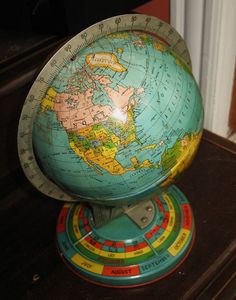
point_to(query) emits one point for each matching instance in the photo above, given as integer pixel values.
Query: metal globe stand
(143, 244)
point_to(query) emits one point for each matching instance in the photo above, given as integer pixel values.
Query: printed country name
(104, 60)
(138, 172)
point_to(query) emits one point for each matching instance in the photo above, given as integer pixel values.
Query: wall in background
(156, 8)
(209, 30)
(232, 115)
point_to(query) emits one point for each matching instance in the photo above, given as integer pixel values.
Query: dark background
(60, 17)
(25, 24)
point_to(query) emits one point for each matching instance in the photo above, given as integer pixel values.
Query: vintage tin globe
(112, 119)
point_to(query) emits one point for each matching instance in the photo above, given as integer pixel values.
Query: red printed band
(121, 271)
(61, 224)
(135, 247)
(152, 232)
(165, 220)
(159, 204)
(187, 216)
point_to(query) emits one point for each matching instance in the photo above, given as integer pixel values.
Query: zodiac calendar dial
(120, 254)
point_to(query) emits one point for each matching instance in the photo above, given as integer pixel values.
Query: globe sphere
(122, 118)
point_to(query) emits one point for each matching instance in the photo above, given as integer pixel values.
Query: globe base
(120, 253)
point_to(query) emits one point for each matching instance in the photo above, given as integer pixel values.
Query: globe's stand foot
(120, 253)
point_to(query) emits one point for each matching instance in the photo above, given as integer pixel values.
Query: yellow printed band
(114, 255)
(161, 239)
(75, 222)
(137, 252)
(171, 222)
(87, 264)
(168, 202)
(180, 241)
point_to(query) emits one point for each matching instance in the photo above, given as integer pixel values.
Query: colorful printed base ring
(120, 254)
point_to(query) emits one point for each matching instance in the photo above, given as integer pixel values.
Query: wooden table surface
(30, 264)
